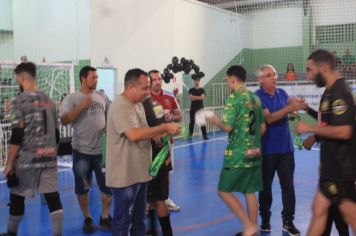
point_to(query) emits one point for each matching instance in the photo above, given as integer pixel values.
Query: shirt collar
(267, 94)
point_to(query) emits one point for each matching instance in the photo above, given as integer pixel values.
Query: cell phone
(12, 180)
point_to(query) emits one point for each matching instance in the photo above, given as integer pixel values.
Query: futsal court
(184, 41)
(194, 183)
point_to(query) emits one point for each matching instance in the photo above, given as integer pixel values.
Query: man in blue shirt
(277, 148)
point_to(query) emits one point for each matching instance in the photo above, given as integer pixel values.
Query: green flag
(160, 158)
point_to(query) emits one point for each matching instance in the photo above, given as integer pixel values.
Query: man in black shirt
(158, 187)
(196, 95)
(336, 129)
(334, 214)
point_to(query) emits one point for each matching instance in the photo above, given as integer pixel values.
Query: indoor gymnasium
(177, 117)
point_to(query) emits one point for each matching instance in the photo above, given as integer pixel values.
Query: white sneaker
(171, 205)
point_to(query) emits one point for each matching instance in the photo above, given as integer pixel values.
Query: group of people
(260, 144)
(141, 120)
(346, 65)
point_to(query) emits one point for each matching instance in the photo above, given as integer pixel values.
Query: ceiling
(242, 6)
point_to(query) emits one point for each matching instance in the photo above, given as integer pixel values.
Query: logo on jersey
(339, 107)
(332, 188)
(13, 116)
(158, 110)
(325, 105)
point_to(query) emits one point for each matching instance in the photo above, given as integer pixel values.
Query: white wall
(56, 29)
(210, 36)
(276, 28)
(6, 47)
(331, 12)
(5, 14)
(147, 34)
(131, 33)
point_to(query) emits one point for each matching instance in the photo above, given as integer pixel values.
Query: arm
(313, 113)
(139, 134)
(263, 129)
(277, 115)
(177, 115)
(196, 98)
(11, 156)
(216, 121)
(69, 117)
(342, 132)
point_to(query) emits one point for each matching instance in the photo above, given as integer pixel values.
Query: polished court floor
(193, 188)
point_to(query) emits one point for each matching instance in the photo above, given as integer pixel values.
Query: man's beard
(319, 81)
(21, 88)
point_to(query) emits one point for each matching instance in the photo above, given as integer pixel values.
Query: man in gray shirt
(31, 166)
(86, 111)
(129, 154)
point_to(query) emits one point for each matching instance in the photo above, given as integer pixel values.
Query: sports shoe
(88, 226)
(206, 138)
(151, 232)
(289, 227)
(171, 205)
(105, 222)
(265, 226)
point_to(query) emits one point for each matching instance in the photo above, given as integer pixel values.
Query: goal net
(56, 80)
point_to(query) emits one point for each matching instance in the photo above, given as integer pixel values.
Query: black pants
(334, 215)
(284, 165)
(192, 122)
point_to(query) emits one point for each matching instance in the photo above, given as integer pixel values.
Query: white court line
(313, 149)
(199, 142)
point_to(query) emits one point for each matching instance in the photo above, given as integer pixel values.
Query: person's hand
(8, 169)
(297, 105)
(302, 127)
(168, 160)
(45, 152)
(158, 141)
(85, 103)
(168, 116)
(172, 128)
(213, 120)
(309, 142)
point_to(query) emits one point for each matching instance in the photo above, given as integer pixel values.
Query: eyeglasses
(270, 75)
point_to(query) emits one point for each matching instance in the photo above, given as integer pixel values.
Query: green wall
(251, 59)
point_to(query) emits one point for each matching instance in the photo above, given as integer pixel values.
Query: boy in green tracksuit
(243, 119)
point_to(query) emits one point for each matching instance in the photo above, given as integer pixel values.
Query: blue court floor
(193, 188)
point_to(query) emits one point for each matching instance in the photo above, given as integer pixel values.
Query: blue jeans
(284, 165)
(129, 210)
(83, 166)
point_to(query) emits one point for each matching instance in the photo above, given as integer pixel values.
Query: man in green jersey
(244, 121)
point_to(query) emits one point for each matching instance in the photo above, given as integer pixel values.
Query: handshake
(296, 104)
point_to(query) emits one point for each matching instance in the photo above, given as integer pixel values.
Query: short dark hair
(323, 56)
(238, 71)
(154, 71)
(27, 67)
(132, 76)
(84, 72)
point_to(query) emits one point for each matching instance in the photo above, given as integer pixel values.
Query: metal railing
(218, 111)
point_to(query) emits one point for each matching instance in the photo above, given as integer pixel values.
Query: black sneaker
(289, 227)
(206, 138)
(265, 226)
(88, 226)
(151, 232)
(106, 222)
